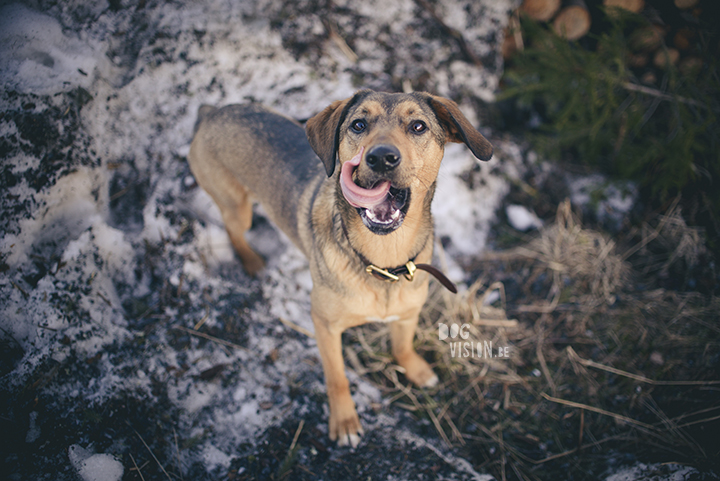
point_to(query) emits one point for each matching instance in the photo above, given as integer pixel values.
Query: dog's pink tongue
(356, 195)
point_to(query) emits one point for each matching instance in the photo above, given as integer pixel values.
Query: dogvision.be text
(479, 349)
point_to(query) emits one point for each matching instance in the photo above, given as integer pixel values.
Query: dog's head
(389, 147)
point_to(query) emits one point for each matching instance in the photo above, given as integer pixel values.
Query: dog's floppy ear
(323, 130)
(458, 127)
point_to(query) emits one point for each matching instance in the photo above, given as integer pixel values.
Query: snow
(656, 472)
(521, 218)
(610, 201)
(94, 467)
(33, 431)
(36, 56)
(108, 248)
(469, 193)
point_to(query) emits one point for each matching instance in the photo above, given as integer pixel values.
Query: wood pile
(668, 39)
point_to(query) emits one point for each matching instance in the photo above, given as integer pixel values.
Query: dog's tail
(203, 112)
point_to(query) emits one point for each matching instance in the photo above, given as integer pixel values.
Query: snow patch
(94, 467)
(609, 200)
(521, 218)
(468, 194)
(36, 56)
(655, 472)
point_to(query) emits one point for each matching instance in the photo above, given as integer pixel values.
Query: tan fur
(236, 155)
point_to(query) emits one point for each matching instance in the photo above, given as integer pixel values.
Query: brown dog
(364, 227)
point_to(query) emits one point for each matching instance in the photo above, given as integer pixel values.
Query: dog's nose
(383, 158)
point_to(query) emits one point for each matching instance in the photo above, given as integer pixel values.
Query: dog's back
(267, 149)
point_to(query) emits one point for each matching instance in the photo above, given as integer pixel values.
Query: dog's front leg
(417, 370)
(344, 425)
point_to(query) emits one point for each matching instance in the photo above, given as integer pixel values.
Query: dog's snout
(383, 158)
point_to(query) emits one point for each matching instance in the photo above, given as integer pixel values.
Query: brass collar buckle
(392, 275)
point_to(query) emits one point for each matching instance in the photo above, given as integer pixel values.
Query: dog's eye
(418, 127)
(358, 126)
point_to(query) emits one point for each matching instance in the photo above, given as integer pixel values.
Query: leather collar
(393, 274)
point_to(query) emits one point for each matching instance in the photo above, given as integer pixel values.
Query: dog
(352, 191)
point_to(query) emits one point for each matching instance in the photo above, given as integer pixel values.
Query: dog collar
(408, 271)
(393, 274)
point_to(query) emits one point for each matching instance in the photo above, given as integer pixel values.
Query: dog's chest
(382, 319)
(389, 305)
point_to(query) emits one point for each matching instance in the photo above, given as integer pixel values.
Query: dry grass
(595, 364)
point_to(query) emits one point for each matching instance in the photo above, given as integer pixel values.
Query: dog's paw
(418, 371)
(430, 381)
(344, 426)
(252, 263)
(350, 439)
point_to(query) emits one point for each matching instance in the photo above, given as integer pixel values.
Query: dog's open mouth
(382, 207)
(389, 214)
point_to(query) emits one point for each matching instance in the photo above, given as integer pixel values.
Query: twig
(517, 30)
(297, 328)
(204, 318)
(702, 411)
(286, 466)
(392, 375)
(119, 193)
(343, 46)
(654, 234)
(478, 318)
(503, 459)
(509, 323)
(22, 291)
(541, 356)
(368, 349)
(136, 467)
(582, 428)
(297, 435)
(706, 420)
(572, 451)
(150, 451)
(456, 432)
(633, 87)
(544, 308)
(438, 426)
(210, 338)
(177, 452)
(597, 410)
(586, 362)
(107, 301)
